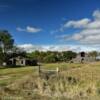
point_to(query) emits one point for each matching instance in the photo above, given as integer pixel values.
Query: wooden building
(83, 57)
(21, 61)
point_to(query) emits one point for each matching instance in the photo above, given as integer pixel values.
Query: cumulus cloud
(31, 47)
(96, 14)
(33, 29)
(77, 24)
(76, 48)
(89, 32)
(85, 22)
(29, 29)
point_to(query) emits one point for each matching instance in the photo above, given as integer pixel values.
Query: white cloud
(29, 29)
(30, 47)
(93, 25)
(76, 48)
(33, 29)
(77, 24)
(90, 30)
(77, 37)
(96, 14)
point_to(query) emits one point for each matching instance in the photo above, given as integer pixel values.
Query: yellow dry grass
(74, 82)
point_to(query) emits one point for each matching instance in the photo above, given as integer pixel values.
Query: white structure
(18, 61)
(86, 58)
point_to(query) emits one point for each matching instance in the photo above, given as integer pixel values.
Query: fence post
(39, 69)
(57, 70)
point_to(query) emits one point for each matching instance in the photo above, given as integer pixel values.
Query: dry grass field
(74, 82)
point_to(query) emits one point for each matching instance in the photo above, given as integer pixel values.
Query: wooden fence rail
(47, 73)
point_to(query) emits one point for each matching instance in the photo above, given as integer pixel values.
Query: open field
(74, 82)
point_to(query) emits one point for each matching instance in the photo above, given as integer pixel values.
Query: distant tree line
(9, 50)
(55, 56)
(52, 56)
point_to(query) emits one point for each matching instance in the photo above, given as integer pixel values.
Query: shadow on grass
(4, 67)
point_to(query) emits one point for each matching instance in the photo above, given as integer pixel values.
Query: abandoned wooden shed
(21, 61)
(83, 57)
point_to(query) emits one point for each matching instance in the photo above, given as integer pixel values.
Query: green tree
(1, 56)
(68, 55)
(93, 54)
(34, 55)
(51, 58)
(6, 41)
(6, 45)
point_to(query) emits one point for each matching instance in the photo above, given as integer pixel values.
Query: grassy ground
(74, 82)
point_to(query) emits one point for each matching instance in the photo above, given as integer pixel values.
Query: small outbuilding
(83, 57)
(21, 61)
(97, 58)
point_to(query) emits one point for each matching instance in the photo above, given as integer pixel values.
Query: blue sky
(51, 22)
